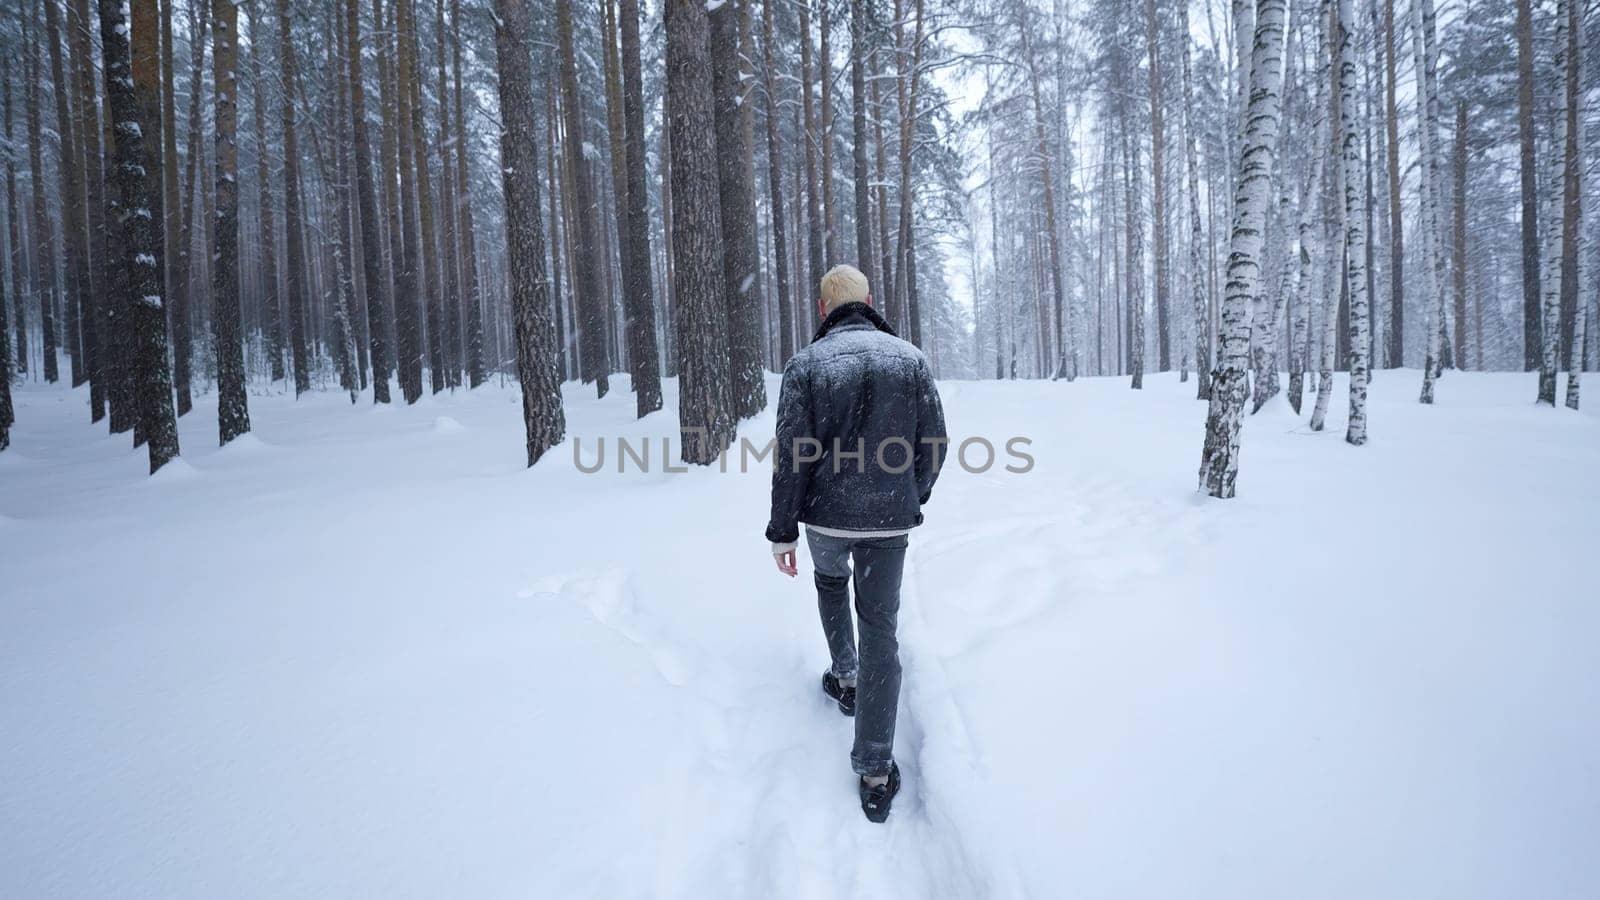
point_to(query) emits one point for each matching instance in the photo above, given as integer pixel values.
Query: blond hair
(843, 284)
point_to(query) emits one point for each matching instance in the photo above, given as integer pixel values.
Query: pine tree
(706, 413)
(1219, 462)
(519, 151)
(14, 225)
(636, 273)
(42, 229)
(294, 261)
(469, 245)
(1532, 313)
(859, 53)
(740, 254)
(371, 254)
(182, 267)
(588, 296)
(780, 236)
(133, 101)
(233, 410)
(267, 230)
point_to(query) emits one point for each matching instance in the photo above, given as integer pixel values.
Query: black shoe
(875, 799)
(845, 695)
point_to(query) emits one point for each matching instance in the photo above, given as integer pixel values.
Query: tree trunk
(1198, 247)
(706, 415)
(74, 243)
(637, 277)
(740, 255)
(449, 273)
(15, 253)
(43, 232)
(780, 237)
(588, 299)
(1219, 463)
(268, 231)
(808, 136)
(1397, 259)
(293, 218)
(542, 414)
(471, 296)
(133, 95)
(1461, 234)
(859, 51)
(1532, 324)
(1042, 150)
(376, 280)
(1158, 185)
(194, 176)
(1355, 223)
(908, 97)
(1427, 167)
(408, 274)
(1572, 205)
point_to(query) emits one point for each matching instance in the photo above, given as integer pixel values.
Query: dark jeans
(878, 564)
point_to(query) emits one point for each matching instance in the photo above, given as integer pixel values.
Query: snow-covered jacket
(860, 430)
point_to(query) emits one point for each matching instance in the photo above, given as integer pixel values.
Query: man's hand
(786, 563)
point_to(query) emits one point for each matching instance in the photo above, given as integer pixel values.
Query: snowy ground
(366, 653)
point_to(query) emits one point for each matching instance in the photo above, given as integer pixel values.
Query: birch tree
(1556, 200)
(1355, 218)
(1219, 460)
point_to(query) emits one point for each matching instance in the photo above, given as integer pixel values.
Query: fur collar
(846, 312)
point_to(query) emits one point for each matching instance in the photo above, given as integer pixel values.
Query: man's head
(843, 284)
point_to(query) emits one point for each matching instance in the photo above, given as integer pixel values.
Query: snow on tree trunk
(1310, 248)
(1219, 460)
(741, 259)
(636, 274)
(542, 414)
(1355, 219)
(1555, 202)
(136, 206)
(705, 412)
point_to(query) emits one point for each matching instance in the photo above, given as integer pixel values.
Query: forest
(379, 381)
(403, 198)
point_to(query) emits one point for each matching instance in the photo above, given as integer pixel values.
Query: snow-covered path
(367, 654)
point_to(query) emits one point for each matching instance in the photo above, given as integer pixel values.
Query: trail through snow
(363, 652)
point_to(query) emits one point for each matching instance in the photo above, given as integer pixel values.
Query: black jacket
(860, 430)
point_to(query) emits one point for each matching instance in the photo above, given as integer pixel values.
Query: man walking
(860, 438)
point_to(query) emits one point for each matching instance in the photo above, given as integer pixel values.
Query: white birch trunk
(1550, 265)
(1355, 228)
(1197, 239)
(1579, 307)
(1433, 294)
(1219, 461)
